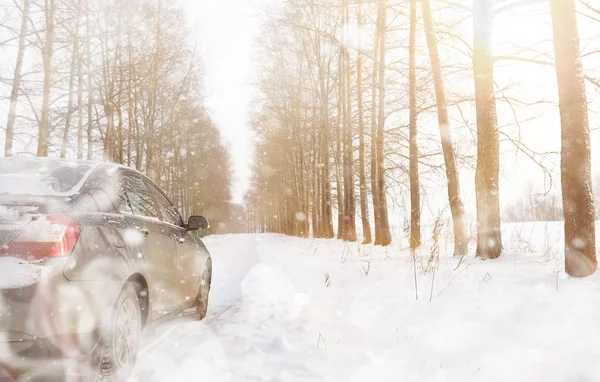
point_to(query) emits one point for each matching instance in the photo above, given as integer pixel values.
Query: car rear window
(41, 177)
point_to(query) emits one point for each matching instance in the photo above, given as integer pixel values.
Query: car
(90, 254)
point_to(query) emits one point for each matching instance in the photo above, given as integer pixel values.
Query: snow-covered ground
(290, 309)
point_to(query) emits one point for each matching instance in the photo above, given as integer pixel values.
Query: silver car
(90, 254)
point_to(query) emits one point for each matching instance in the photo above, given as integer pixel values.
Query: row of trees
(335, 73)
(115, 80)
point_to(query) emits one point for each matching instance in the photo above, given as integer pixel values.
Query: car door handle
(180, 239)
(144, 231)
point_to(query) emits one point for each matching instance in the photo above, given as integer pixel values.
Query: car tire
(120, 339)
(202, 298)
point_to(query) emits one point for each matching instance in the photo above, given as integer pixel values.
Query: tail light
(46, 237)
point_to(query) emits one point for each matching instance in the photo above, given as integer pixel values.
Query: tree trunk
(16, 85)
(326, 200)
(149, 135)
(349, 194)
(314, 187)
(578, 200)
(489, 239)
(385, 237)
(48, 52)
(364, 207)
(327, 214)
(374, 82)
(300, 215)
(456, 204)
(75, 53)
(119, 155)
(415, 192)
(90, 110)
(338, 151)
(132, 106)
(79, 94)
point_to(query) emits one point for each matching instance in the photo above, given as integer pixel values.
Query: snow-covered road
(261, 321)
(289, 309)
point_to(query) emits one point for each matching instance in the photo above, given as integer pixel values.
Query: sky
(227, 31)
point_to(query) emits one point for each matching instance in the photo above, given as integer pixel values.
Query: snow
(16, 273)
(15, 214)
(25, 184)
(42, 177)
(291, 309)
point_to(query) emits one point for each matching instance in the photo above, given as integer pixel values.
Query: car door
(187, 277)
(155, 241)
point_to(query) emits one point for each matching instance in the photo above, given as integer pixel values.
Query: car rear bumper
(53, 319)
(40, 359)
(19, 345)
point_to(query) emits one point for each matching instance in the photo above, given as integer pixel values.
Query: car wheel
(121, 339)
(202, 299)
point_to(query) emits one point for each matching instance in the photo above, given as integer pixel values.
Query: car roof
(93, 163)
(94, 167)
(49, 159)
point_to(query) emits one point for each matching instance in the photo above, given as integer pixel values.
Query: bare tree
(47, 54)
(16, 85)
(383, 235)
(74, 67)
(415, 192)
(90, 83)
(578, 200)
(364, 207)
(338, 149)
(489, 238)
(374, 108)
(349, 194)
(455, 201)
(80, 88)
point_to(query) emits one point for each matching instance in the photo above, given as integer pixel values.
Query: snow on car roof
(44, 176)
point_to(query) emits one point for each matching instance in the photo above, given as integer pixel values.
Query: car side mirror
(197, 222)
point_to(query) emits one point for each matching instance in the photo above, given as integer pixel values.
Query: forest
(369, 106)
(120, 81)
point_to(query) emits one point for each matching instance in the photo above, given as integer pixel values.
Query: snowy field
(290, 309)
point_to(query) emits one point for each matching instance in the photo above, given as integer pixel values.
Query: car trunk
(16, 212)
(20, 276)
(37, 235)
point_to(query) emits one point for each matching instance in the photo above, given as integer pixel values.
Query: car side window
(167, 210)
(136, 198)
